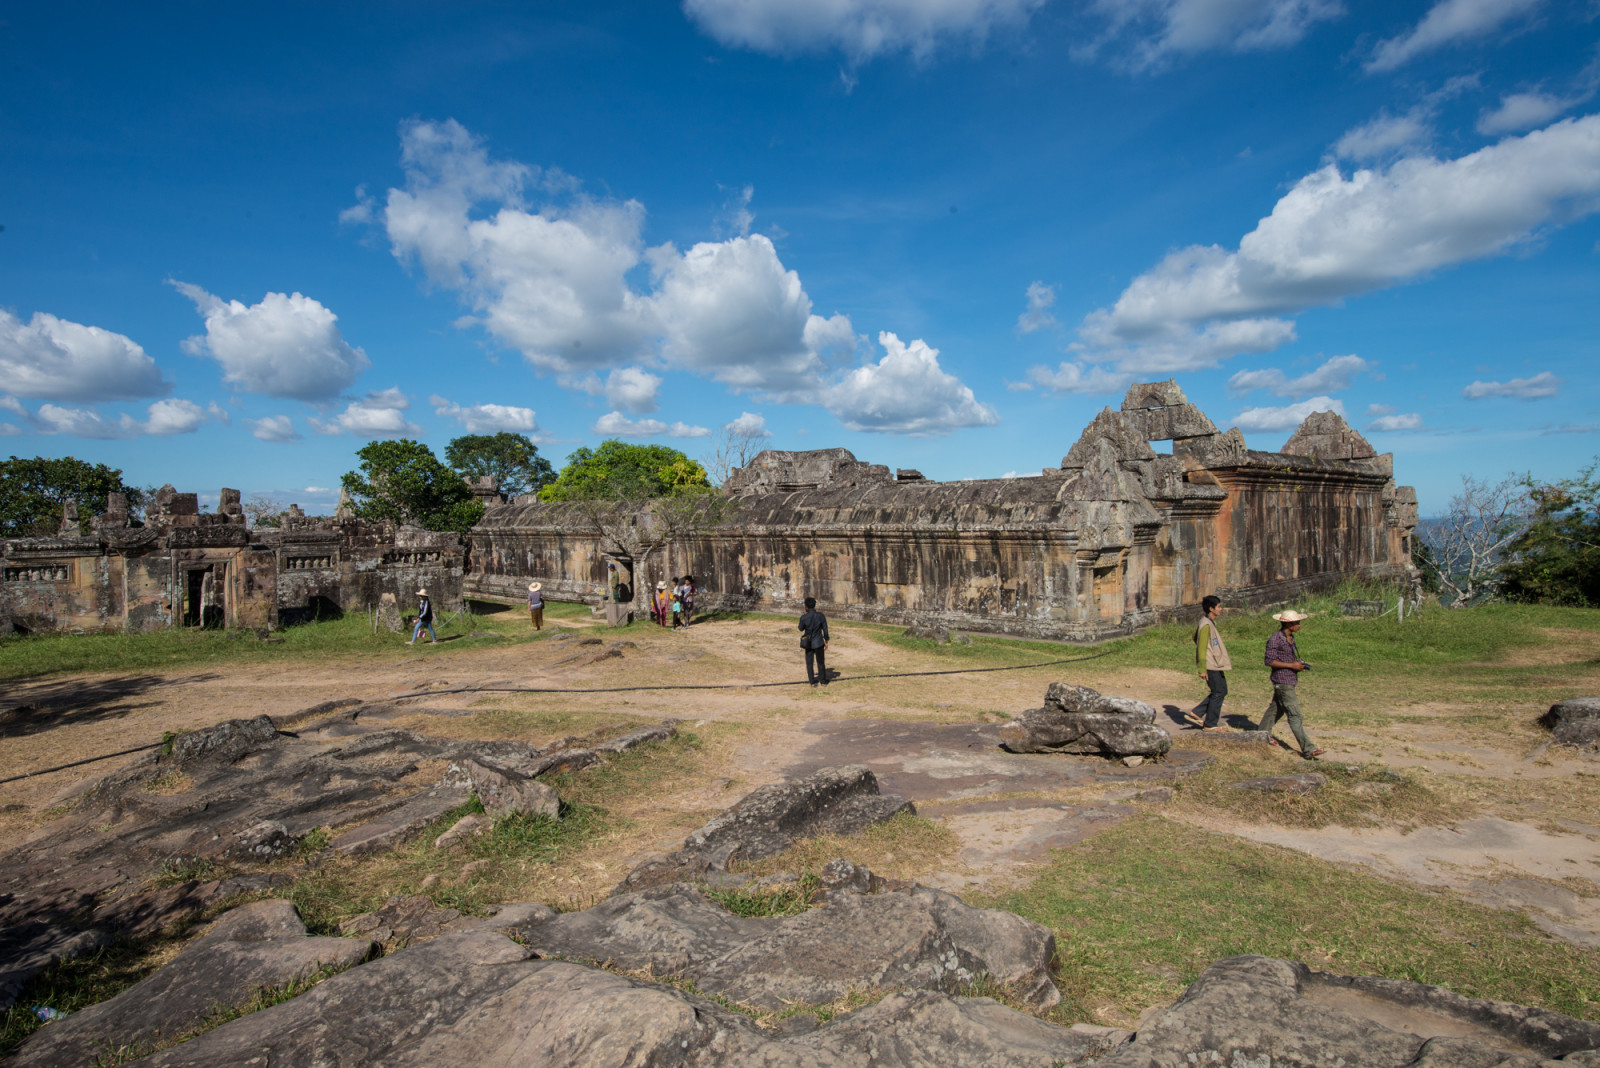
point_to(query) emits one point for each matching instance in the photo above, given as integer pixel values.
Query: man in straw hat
(1283, 659)
(424, 618)
(536, 605)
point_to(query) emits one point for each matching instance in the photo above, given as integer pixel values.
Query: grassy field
(1138, 911)
(348, 637)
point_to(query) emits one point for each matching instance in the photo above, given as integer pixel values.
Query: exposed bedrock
(1076, 719)
(254, 946)
(1260, 1011)
(769, 820)
(1575, 722)
(478, 998)
(914, 938)
(245, 791)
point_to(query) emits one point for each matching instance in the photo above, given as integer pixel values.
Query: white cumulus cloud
(617, 425)
(1332, 376)
(1079, 378)
(905, 392)
(1040, 299)
(1523, 111)
(633, 389)
(377, 415)
(860, 29)
(731, 310)
(1332, 237)
(163, 419)
(750, 423)
(487, 418)
(1145, 33)
(1286, 418)
(275, 428)
(1543, 384)
(55, 359)
(286, 346)
(1398, 421)
(1447, 22)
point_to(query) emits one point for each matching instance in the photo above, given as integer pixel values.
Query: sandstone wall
(1117, 537)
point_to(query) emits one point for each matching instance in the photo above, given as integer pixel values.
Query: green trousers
(1286, 703)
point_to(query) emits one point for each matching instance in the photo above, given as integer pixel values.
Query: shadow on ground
(33, 707)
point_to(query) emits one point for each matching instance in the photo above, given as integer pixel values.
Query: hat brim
(1290, 617)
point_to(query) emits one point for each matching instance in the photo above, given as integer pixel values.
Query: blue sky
(240, 243)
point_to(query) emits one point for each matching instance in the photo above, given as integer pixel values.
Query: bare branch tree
(637, 528)
(738, 444)
(263, 511)
(1467, 543)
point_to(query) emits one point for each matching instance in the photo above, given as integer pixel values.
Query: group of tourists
(673, 606)
(1282, 660)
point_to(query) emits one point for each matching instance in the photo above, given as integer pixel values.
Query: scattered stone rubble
(1575, 722)
(1076, 719)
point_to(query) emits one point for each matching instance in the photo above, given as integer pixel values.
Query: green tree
(32, 492)
(510, 458)
(617, 471)
(403, 481)
(1556, 560)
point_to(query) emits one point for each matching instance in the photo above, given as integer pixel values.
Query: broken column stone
(389, 614)
(1076, 719)
(504, 792)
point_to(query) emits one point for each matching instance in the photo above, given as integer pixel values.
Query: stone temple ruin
(1115, 538)
(185, 567)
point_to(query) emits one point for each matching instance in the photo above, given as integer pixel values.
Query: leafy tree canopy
(32, 492)
(511, 458)
(403, 481)
(1557, 559)
(618, 471)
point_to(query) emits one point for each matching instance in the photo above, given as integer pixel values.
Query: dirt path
(1527, 838)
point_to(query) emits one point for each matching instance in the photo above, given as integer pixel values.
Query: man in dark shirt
(814, 640)
(1284, 661)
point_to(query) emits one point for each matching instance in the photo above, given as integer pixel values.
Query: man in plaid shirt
(1284, 661)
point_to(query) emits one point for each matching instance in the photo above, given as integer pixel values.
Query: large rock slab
(1260, 1011)
(476, 998)
(770, 819)
(1076, 719)
(259, 945)
(914, 938)
(1574, 722)
(504, 792)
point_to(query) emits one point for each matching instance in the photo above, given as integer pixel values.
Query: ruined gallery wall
(150, 577)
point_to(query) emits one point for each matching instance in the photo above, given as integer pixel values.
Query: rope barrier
(622, 689)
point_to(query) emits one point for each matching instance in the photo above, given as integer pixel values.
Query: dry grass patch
(1140, 909)
(1355, 795)
(905, 847)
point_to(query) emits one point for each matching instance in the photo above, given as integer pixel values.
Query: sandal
(1192, 718)
(1314, 754)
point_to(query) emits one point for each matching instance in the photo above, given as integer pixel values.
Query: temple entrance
(204, 601)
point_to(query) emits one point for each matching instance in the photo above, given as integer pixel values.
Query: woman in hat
(536, 605)
(658, 604)
(424, 618)
(1283, 660)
